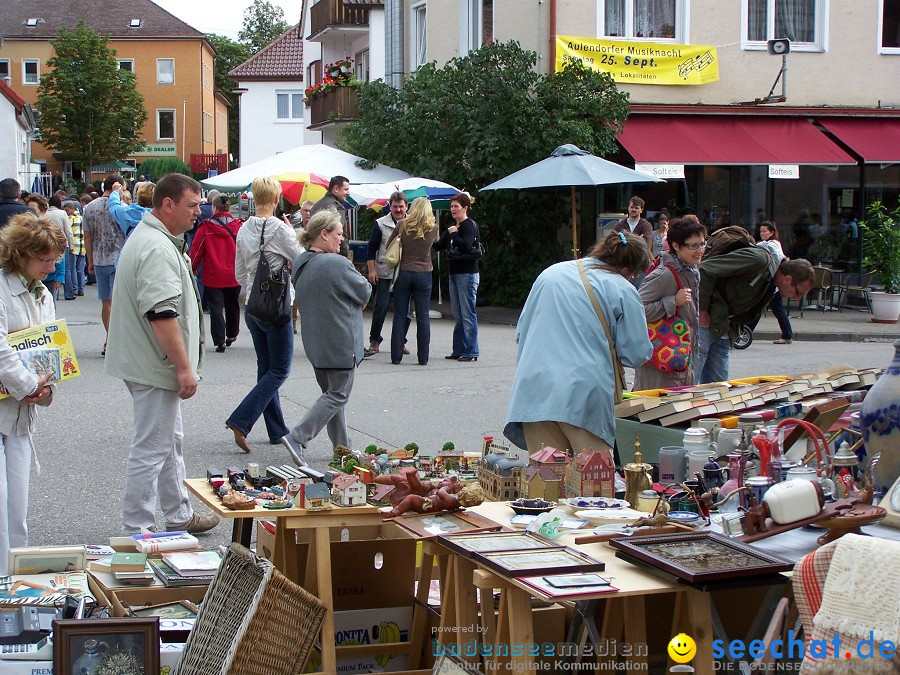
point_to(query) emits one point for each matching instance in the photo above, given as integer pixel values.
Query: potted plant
(881, 254)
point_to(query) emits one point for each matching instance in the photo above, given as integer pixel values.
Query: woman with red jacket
(214, 245)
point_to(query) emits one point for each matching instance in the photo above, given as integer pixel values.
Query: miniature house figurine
(556, 460)
(348, 490)
(540, 482)
(499, 476)
(381, 494)
(591, 474)
(317, 497)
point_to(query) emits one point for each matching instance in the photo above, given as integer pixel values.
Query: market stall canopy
(376, 195)
(319, 159)
(570, 166)
(876, 140)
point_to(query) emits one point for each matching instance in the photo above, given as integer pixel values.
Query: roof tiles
(282, 59)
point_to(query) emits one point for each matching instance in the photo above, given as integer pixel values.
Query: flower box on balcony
(333, 107)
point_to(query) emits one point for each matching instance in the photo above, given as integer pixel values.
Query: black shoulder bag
(270, 297)
(475, 253)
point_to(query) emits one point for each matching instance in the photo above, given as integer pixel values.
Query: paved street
(82, 439)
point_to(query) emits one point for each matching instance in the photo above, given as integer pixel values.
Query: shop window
(800, 21)
(165, 71)
(889, 26)
(657, 20)
(165, 125)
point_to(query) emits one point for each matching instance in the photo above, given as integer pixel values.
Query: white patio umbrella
(317, 158)
(570, 166)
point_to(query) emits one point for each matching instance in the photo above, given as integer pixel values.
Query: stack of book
(186, 569)
(131, 568)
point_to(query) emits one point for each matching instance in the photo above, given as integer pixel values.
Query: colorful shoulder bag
(671, 340)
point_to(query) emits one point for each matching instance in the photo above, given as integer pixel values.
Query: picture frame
(45, 559)
(699, 557)
(467, 544)
(556, 560)
(427, 525)
(181, 609)
(131, 644)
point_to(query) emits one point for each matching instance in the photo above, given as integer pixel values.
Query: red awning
(696, 139)
(876, 140)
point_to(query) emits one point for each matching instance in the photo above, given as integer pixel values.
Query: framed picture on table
(558, 560)
(468, 544)
(699, 556)
(127, 645)
(446, 522)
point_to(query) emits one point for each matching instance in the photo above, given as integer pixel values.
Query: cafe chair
(856, 283)
(823, 288)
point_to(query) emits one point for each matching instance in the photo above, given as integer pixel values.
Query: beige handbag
(618, 371)
(393, 253)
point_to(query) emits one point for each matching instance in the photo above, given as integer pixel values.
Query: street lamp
(90, 179)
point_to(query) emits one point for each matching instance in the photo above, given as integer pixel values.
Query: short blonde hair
(29, 236)
(145, 194)
(325, 220)
(266, 191)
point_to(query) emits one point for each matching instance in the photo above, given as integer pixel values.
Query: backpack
(727, 239)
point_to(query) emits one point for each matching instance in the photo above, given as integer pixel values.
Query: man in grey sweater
(331, 295)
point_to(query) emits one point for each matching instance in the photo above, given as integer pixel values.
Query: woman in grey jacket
(274, 345)
(663, 298)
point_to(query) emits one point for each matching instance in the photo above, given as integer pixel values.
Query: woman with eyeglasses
(30, 248)
(672, 288)
(563, 394)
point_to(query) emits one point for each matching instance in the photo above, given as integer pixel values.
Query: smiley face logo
(682, 648)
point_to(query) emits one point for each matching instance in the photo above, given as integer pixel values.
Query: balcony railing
(333, 14)
(333, 107)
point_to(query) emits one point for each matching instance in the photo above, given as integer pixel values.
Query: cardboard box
(371, 626)
(265, 538)
(120, 596)
(373, 566)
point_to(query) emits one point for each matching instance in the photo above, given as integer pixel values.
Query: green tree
(482, 117)
(263, 22)
(230, 54)
(91, 111)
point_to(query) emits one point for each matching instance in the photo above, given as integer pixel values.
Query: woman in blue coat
(563, 392)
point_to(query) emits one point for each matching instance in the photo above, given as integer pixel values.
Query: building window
(478, 16)
(31, 73)
(419, 33)
(4, 68)
(800, 21)
(165, 71)
(889, 30)
(314, 72)
(361, 67)
(126, 64)
(289, 105)
(657, 20)
(207, 127)
(165, 125)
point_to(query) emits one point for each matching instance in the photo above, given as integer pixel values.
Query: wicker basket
(253, 621)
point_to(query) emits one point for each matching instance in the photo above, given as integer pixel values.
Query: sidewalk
(850, 325)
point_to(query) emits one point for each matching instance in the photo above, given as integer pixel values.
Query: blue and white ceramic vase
(880, 422)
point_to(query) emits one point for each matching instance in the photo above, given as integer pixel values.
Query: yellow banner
(641, 62)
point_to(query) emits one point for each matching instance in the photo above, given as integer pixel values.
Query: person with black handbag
(266, 248)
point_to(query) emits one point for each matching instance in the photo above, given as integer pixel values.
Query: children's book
(45, 347)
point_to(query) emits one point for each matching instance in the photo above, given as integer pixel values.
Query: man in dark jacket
(734, 290)
(10, 202)
(335, 199)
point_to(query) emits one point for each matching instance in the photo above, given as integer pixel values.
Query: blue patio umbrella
(570, 166)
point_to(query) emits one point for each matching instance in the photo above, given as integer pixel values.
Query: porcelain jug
(880, 422)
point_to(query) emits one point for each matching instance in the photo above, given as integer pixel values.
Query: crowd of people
(175, 252)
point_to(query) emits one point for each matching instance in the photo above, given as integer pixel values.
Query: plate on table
(596, 515)
(595, 503)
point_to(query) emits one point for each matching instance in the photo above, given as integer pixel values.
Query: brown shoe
(374, 347)
(196, 524)
(239, 438)
(405, 349)
(782, 341)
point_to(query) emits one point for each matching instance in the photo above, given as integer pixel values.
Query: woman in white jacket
(274, 345)
(30, 247)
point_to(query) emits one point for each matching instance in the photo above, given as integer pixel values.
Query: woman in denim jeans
(417, 234)
(459, 241)
(274, 345)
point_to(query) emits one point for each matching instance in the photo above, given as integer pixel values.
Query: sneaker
(368, 352)
(196, 524)
(295, 449)
(782, 341)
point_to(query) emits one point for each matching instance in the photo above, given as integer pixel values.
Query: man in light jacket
(156, 346)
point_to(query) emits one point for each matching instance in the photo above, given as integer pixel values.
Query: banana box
(368, 627)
